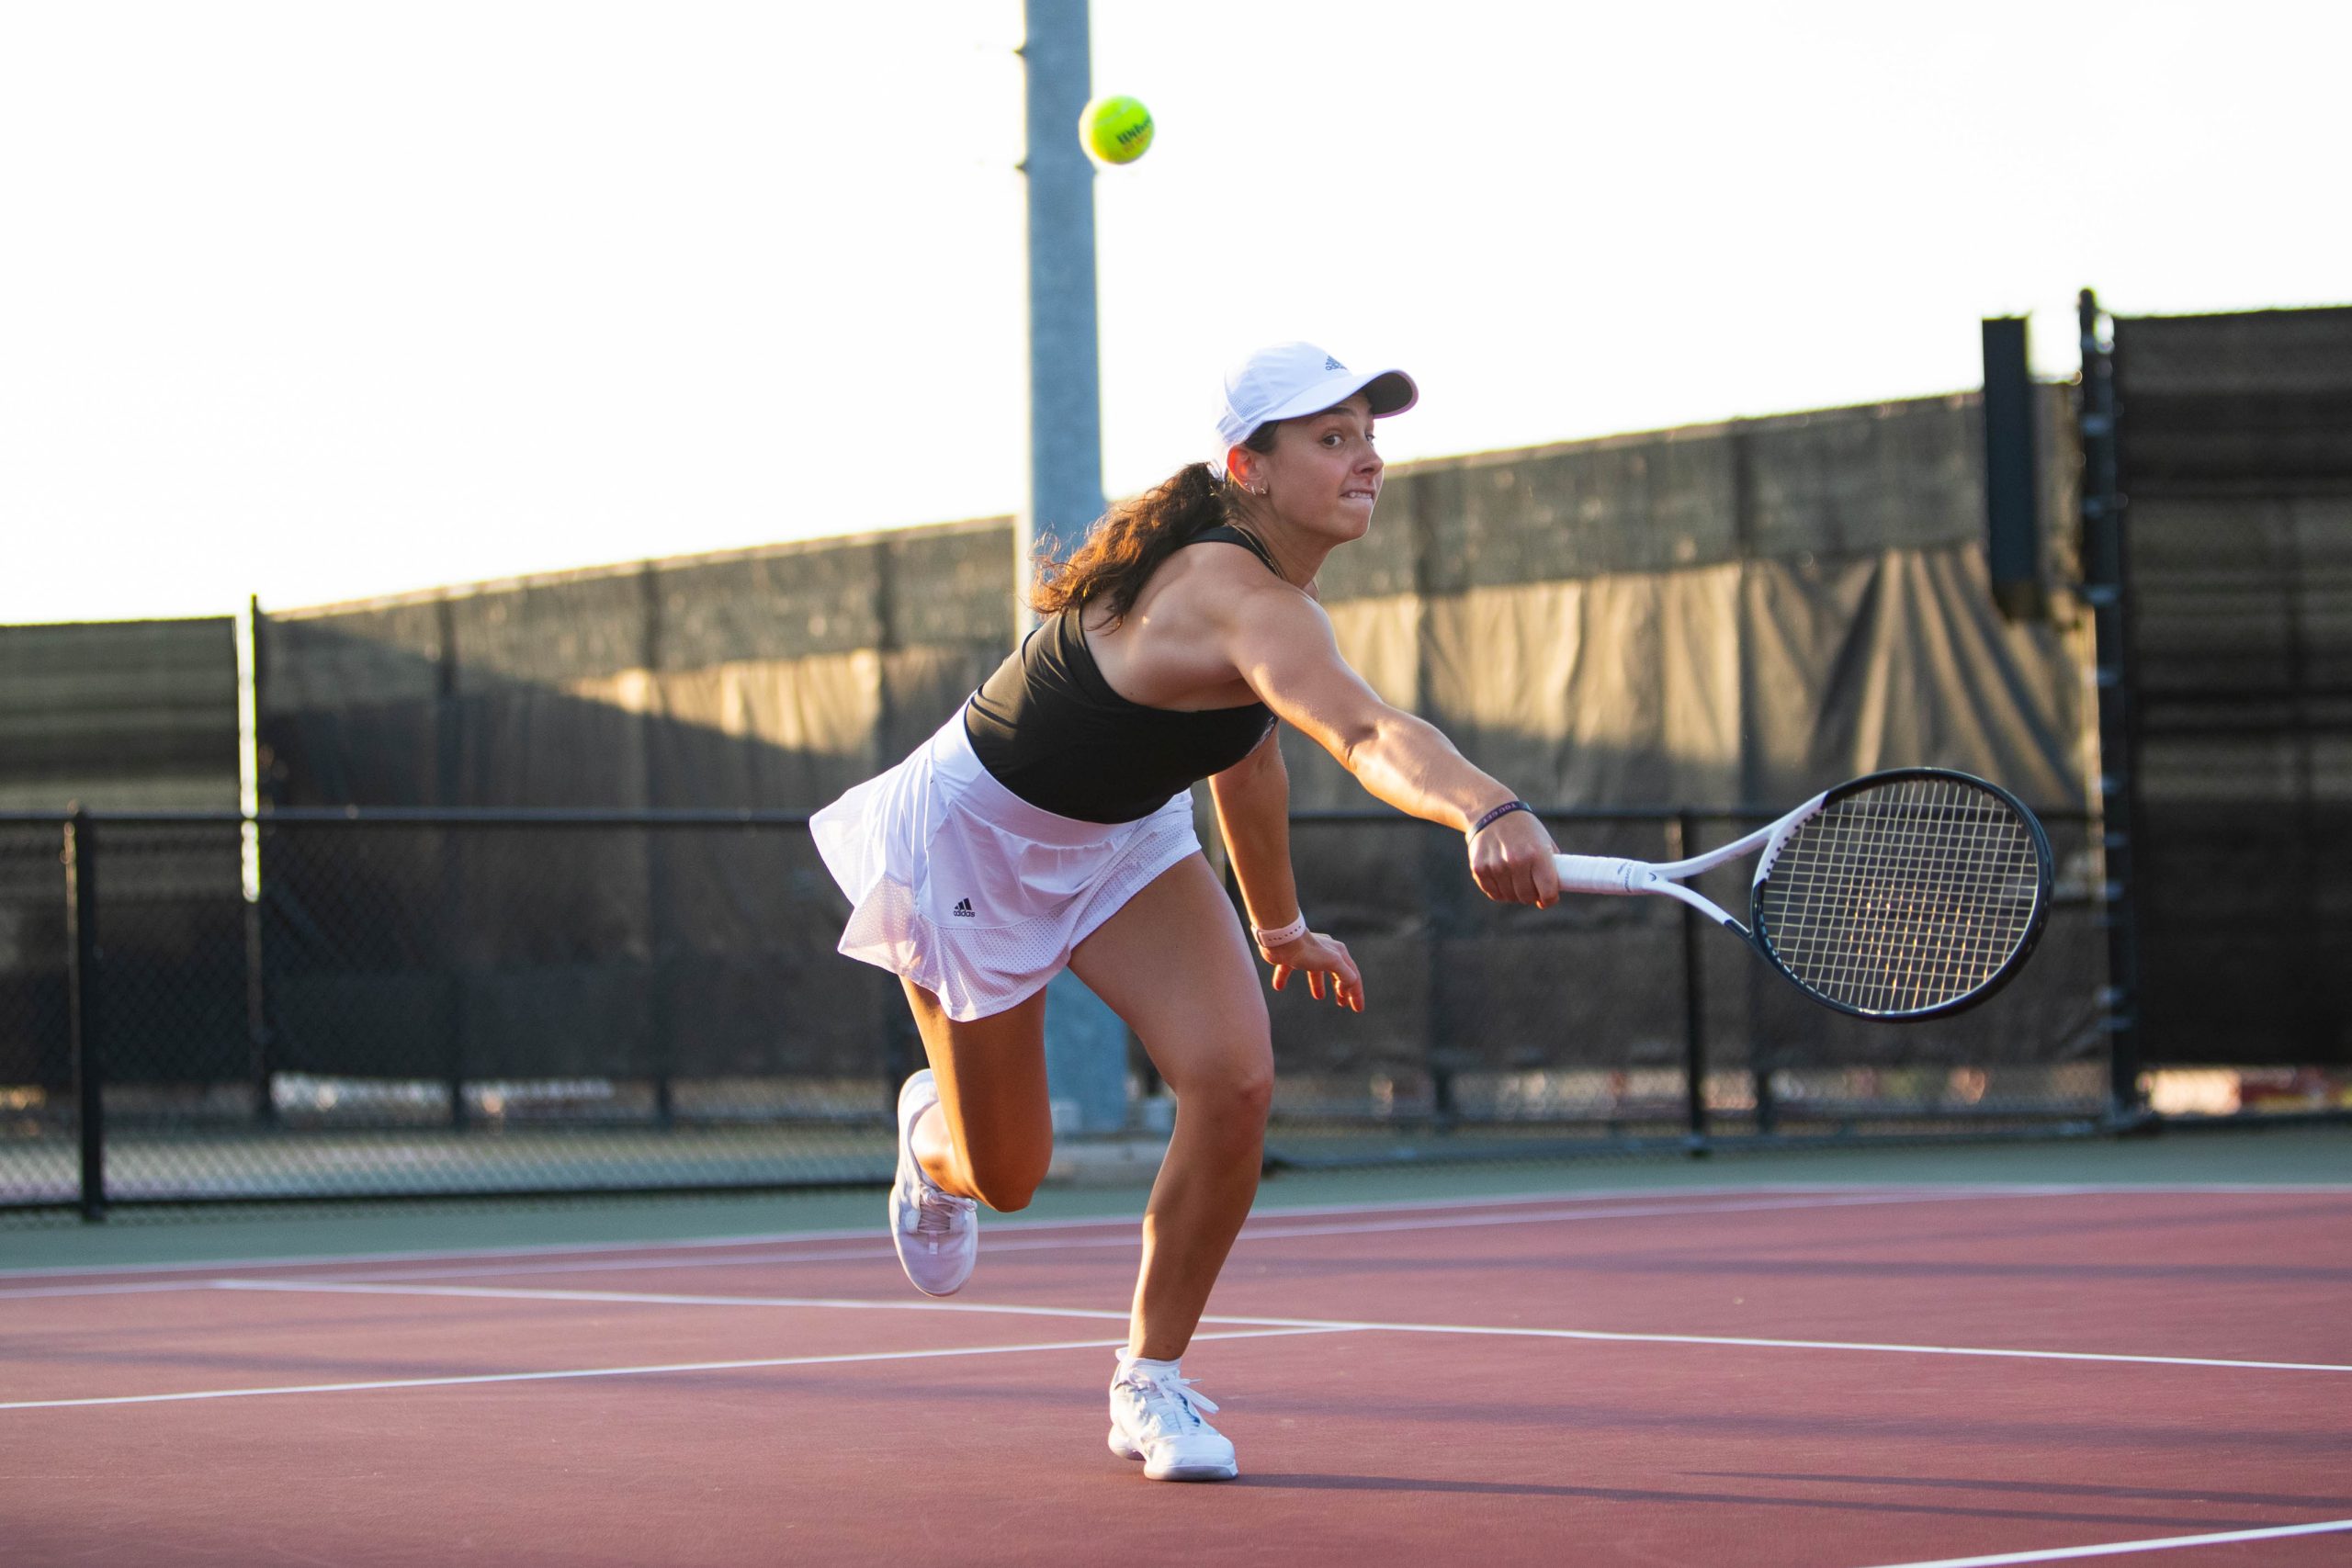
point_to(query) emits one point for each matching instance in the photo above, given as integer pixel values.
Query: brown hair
(1122, 551)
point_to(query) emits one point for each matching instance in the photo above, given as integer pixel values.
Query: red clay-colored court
(1820, 1376)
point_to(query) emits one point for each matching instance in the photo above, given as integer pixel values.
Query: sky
(328, 300)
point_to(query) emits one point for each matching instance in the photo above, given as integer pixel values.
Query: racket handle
(1598, 874)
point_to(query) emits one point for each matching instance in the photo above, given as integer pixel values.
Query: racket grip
(1598, 874)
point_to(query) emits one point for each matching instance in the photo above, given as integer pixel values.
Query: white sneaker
(937, 1233)
(1157, 1420)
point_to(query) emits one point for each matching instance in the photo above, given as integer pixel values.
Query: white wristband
(1281, 934)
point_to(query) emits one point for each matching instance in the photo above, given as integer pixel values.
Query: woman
(1049, 823)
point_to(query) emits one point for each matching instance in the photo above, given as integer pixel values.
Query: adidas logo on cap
(1331, 364)
(963, 906)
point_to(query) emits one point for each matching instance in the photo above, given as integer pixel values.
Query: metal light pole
(1086, 1045)
(1065, 381)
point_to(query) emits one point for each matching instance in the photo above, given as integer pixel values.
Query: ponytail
(1124, 550)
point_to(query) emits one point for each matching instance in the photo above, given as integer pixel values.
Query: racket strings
(1904, 897)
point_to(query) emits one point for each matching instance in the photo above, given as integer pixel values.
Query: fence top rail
(585, 816)
(1344, 816)
(417, 817)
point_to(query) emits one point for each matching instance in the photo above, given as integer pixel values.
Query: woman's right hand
(1325, 962)
(1510, 859)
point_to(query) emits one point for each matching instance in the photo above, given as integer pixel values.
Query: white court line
(1255, 1230)
(1127, 1238)
(136, 1288)
(1742, 1341)
(1244, 1328)
(1370, 1227)
(2116, 1548)
(774, 1238)
(861, 1232)
(644, 1298)
(1119, 1343)
(1309, 1324)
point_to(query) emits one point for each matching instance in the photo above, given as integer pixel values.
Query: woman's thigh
(1174, 964)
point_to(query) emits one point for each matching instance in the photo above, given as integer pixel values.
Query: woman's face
(1323, 476)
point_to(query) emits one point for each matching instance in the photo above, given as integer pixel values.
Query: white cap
(1288, 379)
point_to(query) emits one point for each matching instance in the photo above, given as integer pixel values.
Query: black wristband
(1497, 815)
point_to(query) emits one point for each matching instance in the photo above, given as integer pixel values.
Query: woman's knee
(1238, 1088)
(1006, 1180)
(1252, 1090)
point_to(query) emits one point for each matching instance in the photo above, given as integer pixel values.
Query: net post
(2105, 585)
(81, 858)
(1694, 1029)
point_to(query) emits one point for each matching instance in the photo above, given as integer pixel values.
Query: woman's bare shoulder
(1223, 583)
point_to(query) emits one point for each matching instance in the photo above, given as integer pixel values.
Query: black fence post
(662, 1052)
(81, 856)
(260, 1065)
(1763, 1047)
(2106, 586)
(662, 1055)
(1440, 1056)
(260, 1048)
(902, 1049)
(447, 786)
(1694, 1021)
(453, 981)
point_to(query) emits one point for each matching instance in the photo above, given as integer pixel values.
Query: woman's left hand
(1324, 961)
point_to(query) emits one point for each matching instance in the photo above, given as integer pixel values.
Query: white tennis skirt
(960, 885)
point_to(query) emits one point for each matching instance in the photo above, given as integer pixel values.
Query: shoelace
(936, 1211)
(1170, 1399)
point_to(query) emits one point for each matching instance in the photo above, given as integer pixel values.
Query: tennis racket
(1905, 895)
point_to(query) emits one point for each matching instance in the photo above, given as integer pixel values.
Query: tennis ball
(1117, 130)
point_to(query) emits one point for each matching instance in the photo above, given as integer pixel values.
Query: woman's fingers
(1329, 970)
(1346, 989)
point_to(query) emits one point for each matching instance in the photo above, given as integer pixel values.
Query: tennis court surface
(1733, 1367)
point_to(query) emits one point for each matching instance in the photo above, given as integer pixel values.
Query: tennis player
(1049, 824)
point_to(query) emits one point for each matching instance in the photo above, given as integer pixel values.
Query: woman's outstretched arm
(1282, 644)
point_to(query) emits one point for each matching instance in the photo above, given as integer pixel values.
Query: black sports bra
(1049, 728)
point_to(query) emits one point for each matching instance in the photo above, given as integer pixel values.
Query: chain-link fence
(39, 1126)
(440, 1004)
(1607, 1022)
(387, 1003)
